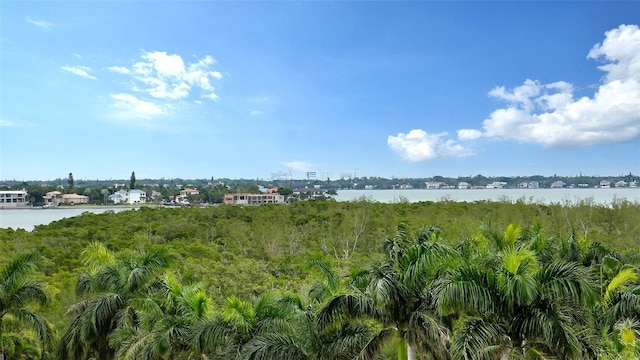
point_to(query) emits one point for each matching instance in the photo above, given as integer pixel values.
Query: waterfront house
(73, 199)
(52, 198)
(14, 198)
(134, 196)
(558, 184)
(137, 196)
(621, 183)
(433, 185)
(496, 185)
(463, 185)
(253, 199)
(605, 184)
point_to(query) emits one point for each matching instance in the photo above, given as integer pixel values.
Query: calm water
(545, 196)
(28, 218)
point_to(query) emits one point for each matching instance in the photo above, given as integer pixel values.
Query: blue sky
(200, 89)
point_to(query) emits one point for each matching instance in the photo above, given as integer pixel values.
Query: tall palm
(516, 308)
(109, 292)
(17, 291)
(166, 320)
(397, 294)
(302, 338)
(225, 335)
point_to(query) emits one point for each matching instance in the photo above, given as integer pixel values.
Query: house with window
(463, 185)
(134, 196)
(13, 198)
(73, 199)
(253, 199)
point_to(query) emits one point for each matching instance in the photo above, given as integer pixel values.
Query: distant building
(134, 196)
(605, 184)
(187, 192)
(73, 199)
(14, 198)
(52, 198)
(523, 185)
(621, 183)
(496, 185)
(534, 185)
(463, 185)
(253, 199)
(137, 196)
(558, 184)
(434, 185)
(633, 184)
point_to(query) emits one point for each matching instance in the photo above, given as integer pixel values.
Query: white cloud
(255, 112)
(127, 106)
(169, 77)
(119, 69)
(82, 71)
(469, 134)
(550, 115)
(14, 124)
(42, 24)
(8, 123)
(299, 165)
(418, 145)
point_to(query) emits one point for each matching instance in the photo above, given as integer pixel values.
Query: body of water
(545, 196)
(27, 218)
(30, 217)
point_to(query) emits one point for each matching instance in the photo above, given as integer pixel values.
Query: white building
(463, 185)
(496, 185)
(621, 183)
(253, 199)
(137, 196)
(13, 198)
(131, 197)
(558, 184)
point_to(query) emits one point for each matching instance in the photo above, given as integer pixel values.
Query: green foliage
(488, 276)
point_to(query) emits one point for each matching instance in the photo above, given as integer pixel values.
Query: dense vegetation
(327, 280)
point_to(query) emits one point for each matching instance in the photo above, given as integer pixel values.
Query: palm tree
(166, 321)
(110, 289)
(515, 308)
(16, 292)
(302, 338)
(397, 294)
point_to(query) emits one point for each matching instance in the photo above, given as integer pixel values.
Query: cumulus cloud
(127, 106)
(82, 71)
(550, 114)
(418, 145)
(170, 77)
(255, 112)
(299, 165)
(41, 24)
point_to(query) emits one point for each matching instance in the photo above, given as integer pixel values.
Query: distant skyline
(201, 89)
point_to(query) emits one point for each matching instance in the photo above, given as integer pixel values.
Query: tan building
(187, 192)
(73, 199)
(253, 199)
(14, 198)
